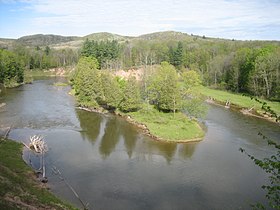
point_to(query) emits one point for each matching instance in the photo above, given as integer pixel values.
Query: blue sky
(232, 19)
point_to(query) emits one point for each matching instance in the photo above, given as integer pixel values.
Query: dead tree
(39, 146)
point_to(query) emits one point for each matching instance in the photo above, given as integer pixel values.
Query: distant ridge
(106, 36)
(60, 42)
(41, 39)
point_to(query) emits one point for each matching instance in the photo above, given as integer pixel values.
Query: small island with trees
(161, 103)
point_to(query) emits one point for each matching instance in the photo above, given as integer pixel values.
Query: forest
(250, 67)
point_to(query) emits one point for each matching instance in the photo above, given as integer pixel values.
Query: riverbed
(112, 165)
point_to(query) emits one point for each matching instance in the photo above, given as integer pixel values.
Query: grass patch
(18, 186)
(168, 127)
(237, 99)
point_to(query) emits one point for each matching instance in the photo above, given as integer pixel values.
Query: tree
(86, 81)
(164, 88)
(192, 105)
(131, 96)
(265, 77)
(103, 51)
(178, 55)
(190, 80)
(245, 59)
(111, 90)
(11, 69)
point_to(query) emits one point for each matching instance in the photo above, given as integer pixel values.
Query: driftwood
(247, 111)
(227, 104)
(6, 134)
(2, 104)
(56, 171)
(38, 145)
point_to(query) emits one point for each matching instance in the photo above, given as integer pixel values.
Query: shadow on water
(187, 150)
(110, 138)
(90, 124)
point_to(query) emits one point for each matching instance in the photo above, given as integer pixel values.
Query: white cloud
(221, 18)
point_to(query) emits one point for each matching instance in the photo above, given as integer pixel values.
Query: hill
(106, 36)
(43, 40)
(59, 42)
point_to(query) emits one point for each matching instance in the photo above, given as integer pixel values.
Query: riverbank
(54, 72)
(239, 102)
(19, 188)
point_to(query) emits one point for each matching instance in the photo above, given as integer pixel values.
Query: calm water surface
(112, 165)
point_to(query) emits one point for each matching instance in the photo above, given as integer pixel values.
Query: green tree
(190, 80)
(265, 77)
(178, 55)
(86, 82)
(245, 59)
(103, 51)
(164, 90)
(111, 90)
(11, 69)
(131, 96)
(192, 104)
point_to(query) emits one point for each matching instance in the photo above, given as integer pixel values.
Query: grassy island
(167, 126)
(19, 188)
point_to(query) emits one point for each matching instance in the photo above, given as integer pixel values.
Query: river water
(111, 165)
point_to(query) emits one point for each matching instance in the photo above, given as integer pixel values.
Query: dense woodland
(251, 67)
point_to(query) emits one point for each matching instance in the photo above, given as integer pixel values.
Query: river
(111, 165)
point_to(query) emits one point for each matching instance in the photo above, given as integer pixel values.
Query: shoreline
(144, 129)
(244, 110)
(20, 185)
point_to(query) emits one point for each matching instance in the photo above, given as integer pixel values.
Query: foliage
(271, 166)
(191, 79)
(195, 107)
(95, 88)
(103, 51)
(111, 90)
(87, 82)
(11, 69)
(250, 67)
(164, 89)
(131, 96)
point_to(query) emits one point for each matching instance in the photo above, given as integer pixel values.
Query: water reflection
(110, 138)
(107, 131)
(90, 124)
(187, 150)
(130, 140)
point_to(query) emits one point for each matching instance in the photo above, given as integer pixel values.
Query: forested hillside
(251, 67)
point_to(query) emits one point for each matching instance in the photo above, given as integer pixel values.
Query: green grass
(236, 99)
(167, 127)
(18, 186)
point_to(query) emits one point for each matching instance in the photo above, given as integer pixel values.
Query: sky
(231, 19)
